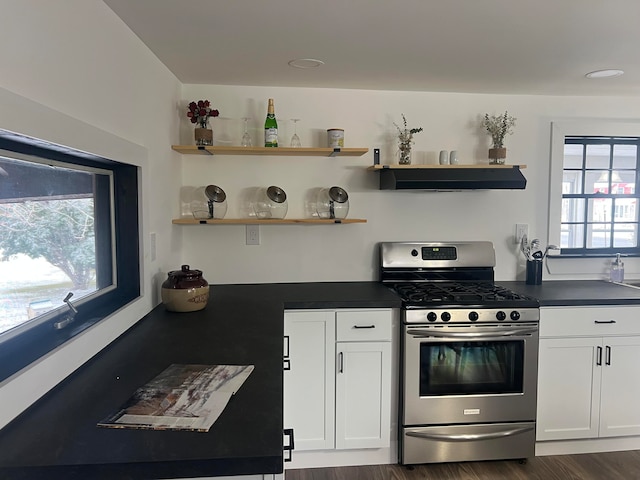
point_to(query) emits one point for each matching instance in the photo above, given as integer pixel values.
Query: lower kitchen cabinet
(337, 379)
(588, 373)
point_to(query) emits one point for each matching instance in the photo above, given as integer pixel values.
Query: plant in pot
(199, 112)
(405, 140)
(498, 126)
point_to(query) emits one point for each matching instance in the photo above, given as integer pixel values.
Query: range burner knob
(432, 317)
(414, 252)
(501, 315)
(473, 316)
(446, 316)
(515, 315)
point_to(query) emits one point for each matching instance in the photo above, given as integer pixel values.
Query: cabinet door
(619, 412)
(309, 389)
(363, 395)
(568, 388)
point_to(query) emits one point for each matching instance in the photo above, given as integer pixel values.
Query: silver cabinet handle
(340, 362)
(599, 356)
(466, 437)
(600, 322)
(364, 326)
(607, 356)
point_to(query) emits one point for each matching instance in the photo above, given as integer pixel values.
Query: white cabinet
(587, 374)
(309, 391)
(337, 388)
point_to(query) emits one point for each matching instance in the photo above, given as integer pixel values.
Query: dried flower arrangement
(499, 126)
(200, 111)
(405, 139)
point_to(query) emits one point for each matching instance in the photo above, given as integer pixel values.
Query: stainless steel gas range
(469, 354)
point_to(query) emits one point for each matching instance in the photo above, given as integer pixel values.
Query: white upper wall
(299, 253)
(74, 74)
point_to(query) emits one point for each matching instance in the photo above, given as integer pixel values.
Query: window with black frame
(600, 195)
(68, 245)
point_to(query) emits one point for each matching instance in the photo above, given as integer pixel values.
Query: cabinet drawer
(363, 325)
(589, 321)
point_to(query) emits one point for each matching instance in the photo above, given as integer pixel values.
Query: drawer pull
(364, 326)
(604, 321)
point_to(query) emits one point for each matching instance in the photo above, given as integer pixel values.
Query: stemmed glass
(295, 139)
(246, 137)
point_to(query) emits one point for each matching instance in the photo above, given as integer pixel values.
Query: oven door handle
(465, 437)
(494, 332)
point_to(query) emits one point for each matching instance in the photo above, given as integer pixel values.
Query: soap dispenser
(617, 270)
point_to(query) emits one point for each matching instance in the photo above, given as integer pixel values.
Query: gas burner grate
(462, 293)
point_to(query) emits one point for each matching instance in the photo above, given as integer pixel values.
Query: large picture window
(594, 191)
(68, 245)
(599, 195)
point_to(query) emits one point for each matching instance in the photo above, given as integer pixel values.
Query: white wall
(74, 74)
(294, 253)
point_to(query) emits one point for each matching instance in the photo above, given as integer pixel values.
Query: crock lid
(276, 194)
(215, 193)
(185, 272)
(338, 194)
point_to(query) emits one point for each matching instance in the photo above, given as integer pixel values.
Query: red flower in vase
(200, 111)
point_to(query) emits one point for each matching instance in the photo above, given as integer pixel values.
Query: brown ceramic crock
(185, 290)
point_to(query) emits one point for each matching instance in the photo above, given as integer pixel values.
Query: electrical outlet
(253, 235)
(522, 230)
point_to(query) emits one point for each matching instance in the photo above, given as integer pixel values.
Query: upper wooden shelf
(276, 151)
(478, 165)
(264, 221)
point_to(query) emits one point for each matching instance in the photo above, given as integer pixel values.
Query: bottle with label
(271, 127)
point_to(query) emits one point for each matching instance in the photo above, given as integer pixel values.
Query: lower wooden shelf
(265, 221)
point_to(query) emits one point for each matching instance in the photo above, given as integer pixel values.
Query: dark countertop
(57, 437)
(577, 293)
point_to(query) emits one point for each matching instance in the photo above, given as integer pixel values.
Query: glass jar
(270, 202)
(332, 203)
(209, 202)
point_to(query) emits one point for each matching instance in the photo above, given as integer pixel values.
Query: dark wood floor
(600, 466)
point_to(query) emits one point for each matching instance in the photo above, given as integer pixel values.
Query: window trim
(576, 128)
(18, 351)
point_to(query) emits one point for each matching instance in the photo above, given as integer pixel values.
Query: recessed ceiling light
(305, 63)
(604, 73)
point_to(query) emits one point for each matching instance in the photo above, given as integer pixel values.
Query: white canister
(335, 138)
(453, 157)
(444, 157)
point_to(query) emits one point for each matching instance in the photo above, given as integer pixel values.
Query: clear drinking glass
(295, 139)
(246, 136)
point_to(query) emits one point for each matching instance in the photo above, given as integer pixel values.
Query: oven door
(455, 374)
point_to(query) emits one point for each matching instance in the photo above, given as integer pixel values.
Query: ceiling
(540, 47)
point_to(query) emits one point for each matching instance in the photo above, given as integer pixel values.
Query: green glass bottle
(271, 127)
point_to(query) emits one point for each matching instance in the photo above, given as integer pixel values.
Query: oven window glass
(462, 368)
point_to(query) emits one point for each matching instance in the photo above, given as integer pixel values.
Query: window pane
(572, 236)
(596, 181)
(625, 156)
(624, 182)
(624, 210)
(48, 238)
(598, 235)
(625, 235)
(598, 156)
(572, 181)
(572, 156)
(573, 210)
(600, 210)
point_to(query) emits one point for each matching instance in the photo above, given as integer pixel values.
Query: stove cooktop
(461, 294)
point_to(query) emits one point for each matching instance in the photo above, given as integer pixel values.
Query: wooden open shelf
(275, 151)
(262, 221)
(456, 167)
